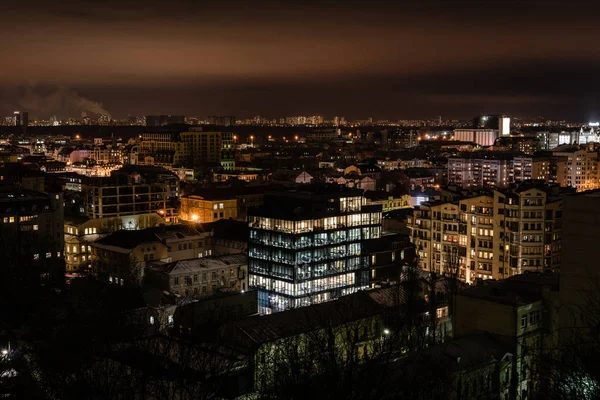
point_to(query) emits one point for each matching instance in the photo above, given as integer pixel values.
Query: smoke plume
(43, 102)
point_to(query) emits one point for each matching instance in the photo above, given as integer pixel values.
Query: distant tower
(17, 118)
(24, 121)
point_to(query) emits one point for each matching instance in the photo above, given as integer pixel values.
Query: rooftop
(263, 329)
(129, 239)
(228, 229)
(517, 290)
(195, 265)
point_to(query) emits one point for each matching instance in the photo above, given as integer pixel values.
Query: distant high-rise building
(227, 151)
(162, 120)
(227, 120)
(480, 136)
(496, 122)
(195, 148)
(504, 125)
(21, 118)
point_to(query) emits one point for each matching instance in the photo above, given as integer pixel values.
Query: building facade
(483, 137)
(490, 236)
(121, 195)
(31, 240)
(306, 246)
(196, 208)
(198, 148)
(489, 169)
(581, 166)
(202, 276)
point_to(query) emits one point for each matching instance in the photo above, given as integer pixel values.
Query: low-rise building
(81, 232)
(121, 257)
(201, 276)
(208, 207)
(523, 312)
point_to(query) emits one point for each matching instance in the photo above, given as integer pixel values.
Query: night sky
(403, 59)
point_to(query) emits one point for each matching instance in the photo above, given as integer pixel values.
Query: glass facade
(295, 263)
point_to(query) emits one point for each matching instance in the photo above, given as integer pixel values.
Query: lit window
(58, 254)
(170, 319)
(35, 227)
(221, 205)
(48, 255)
(11, 219)
(215, 207)
(36, 256)
(151, 320)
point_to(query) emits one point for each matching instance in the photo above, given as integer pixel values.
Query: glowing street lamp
(194, 217)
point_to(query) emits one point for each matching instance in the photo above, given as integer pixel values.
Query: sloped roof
(129, 239)
(195, 265)
(263, 329)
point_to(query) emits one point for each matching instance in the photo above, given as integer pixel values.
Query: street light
(386, 332)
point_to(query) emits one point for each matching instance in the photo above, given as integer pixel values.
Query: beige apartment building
(580, 166)
(489, 236)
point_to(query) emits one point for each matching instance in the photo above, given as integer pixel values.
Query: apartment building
(527, 226)
(31, 234)
(489, 169)
(581, 166)
(489, 236)
(196, 148)
(116, 196)
(550, 169)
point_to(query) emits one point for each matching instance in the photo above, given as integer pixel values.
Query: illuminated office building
(306, 246)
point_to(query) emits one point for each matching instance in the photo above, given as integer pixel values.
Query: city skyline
(377, 59)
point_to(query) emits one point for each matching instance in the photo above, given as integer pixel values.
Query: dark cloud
(378, 58)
